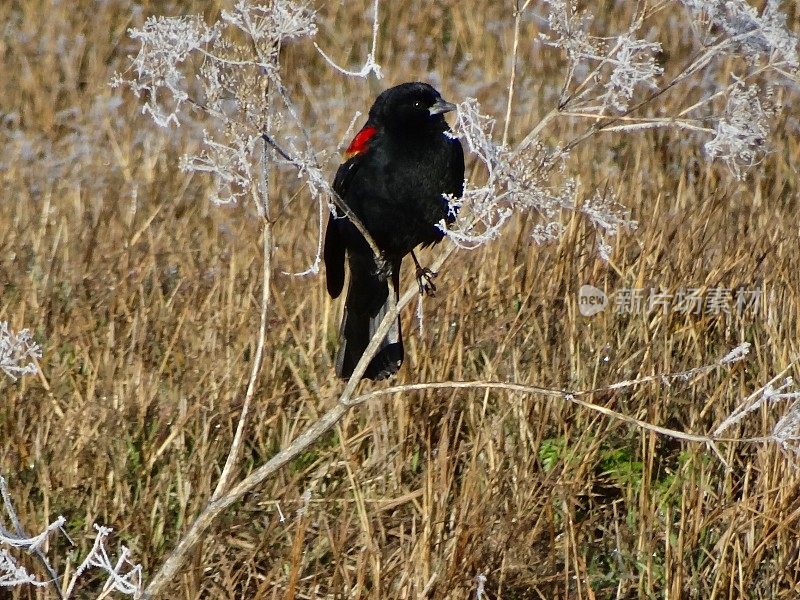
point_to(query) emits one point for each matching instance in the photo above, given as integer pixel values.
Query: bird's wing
(333, 254)
(458, 168)
(335, 246)
(456, 186)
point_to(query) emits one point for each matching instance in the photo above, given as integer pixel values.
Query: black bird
(395, 173)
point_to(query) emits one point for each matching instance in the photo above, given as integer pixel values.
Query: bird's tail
(366, 304)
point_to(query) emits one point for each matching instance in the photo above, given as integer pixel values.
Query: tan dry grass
(146, 299)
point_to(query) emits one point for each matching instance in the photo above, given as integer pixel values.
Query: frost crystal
(787, 430)
(569, 31)
(739, 353)
(18, 352)
(740, 135)
(618, 71)
(633, 64)
(481, 211)
(609, 217)
(764, 35)
(28, 543)
(230, 164)
(12, 574)
(227, 70)
(123, 576)
(272, 23)
(166, 42)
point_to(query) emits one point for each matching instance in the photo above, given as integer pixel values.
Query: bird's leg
(424, 278)
(383, 267)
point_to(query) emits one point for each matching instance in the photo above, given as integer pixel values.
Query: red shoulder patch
(360, 142)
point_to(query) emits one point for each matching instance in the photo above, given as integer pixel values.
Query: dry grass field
(145, 298)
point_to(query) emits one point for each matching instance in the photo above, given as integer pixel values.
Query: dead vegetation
(146, 300)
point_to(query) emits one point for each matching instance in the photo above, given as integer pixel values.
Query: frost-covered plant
(741, 133)
(230, 71)
(739, 28)
(11, 574)
(122, 574)
(531, 179)
(609, 80)
(613, 68)
(786, 432)
(18, 352)
(612, 80)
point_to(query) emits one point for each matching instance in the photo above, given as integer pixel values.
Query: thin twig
(513, 76)
(693, 65)
(262, 201)
(573, 397)
(233, 453)
(337, 199)
(751, 402)
(178, 556)
(369, 66)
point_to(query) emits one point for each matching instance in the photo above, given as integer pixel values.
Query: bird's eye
(418, 104)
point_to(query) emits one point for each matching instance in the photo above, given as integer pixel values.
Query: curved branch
(343, 405)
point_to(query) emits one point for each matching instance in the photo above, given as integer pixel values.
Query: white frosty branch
(523, 180)
(123, 575)
(370, 65)
(11, 574)
(756, 36)
(740, 135)
(18, 352)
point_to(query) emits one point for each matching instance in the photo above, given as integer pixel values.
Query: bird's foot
(425, 279)
(383, 268)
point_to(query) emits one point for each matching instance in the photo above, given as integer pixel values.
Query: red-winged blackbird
(393, 179)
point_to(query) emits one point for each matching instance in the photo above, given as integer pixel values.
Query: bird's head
(411, 107)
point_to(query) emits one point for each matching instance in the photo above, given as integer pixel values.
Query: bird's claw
(425, 279)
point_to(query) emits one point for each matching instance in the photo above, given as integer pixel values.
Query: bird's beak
(441, 107)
